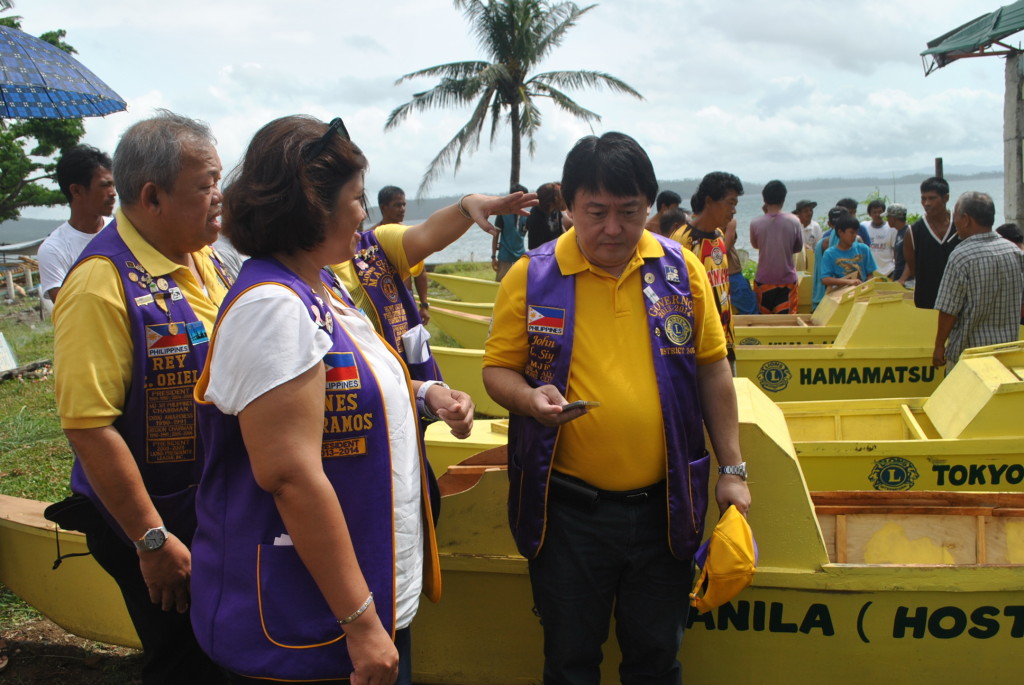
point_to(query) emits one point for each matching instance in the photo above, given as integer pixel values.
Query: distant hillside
(687, 186)
(419, 210)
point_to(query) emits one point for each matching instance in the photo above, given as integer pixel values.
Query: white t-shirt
(812, 234)
(59, 252)
(267, 338)
(883, 240)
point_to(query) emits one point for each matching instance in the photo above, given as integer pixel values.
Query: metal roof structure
(979, 37)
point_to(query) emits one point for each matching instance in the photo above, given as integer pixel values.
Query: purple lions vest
(396, 308)
(159, 420)
(256, 610)
(666, 293)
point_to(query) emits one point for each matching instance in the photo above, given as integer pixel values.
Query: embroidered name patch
(166, 338)
(342, 372)
(545, 320)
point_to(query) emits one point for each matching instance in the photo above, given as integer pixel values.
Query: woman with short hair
(315, 536)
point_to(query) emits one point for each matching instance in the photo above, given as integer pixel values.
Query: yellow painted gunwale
(465, 288)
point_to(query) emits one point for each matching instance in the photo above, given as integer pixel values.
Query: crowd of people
(244, 379)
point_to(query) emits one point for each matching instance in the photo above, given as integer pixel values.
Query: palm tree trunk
(516, 144)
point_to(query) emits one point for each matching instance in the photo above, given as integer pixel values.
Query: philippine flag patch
(342, 372)
(166, 338)
(545, 320)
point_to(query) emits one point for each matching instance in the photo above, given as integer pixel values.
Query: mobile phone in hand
(579, 404)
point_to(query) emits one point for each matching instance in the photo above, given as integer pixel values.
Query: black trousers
(171, 655)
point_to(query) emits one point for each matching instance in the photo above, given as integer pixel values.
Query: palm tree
(516, 35)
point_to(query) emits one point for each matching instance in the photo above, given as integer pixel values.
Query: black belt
(570, 488)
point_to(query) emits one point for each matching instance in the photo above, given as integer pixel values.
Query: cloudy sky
(790, 89)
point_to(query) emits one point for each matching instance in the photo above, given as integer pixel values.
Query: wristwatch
(739, 469)
(153, 540)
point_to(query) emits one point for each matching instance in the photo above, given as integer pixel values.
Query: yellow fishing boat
(469, 330)
(962, 437)
(78, 596)
(883, 349)
(894, 586)
(462, 370)
(851, 587)
(965, 436)
(480, 308)
(465, 288)
(819, 328)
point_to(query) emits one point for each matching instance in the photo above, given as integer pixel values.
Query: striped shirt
(983, 287)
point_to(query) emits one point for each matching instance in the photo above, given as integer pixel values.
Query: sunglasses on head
(336, 125)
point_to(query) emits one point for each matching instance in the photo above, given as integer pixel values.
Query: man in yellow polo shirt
(607, 502)
(131, 330)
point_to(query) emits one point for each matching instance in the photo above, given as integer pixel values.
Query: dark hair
(849, 204)
(670, 221)
(517, 188)
(876, 203)
(387, 194)
(846, 222)
(275, 200)
(715, 186)
(77, 164)
(979, 207)
(935, 184)
(665, 198)
(774, 193)
(1011, 232)
(549, 197)
(613, 163)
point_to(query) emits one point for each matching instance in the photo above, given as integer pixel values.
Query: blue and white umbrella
(41, 81)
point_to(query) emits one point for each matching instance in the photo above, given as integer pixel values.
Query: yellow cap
(728, 560)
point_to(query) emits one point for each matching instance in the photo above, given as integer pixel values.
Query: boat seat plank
(913, 426)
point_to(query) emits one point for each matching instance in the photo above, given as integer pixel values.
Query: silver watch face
(154, 538)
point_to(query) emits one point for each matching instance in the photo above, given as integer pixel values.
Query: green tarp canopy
(973, 38)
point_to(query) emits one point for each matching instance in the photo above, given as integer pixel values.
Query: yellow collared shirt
(93, 349)
(621, 444)
(390, 237)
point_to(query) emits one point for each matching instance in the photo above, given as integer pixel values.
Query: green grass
(13, 611)
(35, 461)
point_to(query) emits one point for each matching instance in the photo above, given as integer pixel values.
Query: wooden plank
(981, 540)
(886, 539)
(919, 497)
(841, 539)
(916, 432)
(896, 510)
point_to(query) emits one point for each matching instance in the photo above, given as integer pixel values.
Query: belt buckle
(637, 497)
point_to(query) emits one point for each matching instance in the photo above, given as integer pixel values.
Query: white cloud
(790, 89)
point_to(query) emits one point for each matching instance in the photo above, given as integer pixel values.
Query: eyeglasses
(336, 125)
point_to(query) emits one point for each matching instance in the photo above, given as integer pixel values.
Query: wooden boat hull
(805, 614)
(884, 349)
(444, 449)
(468, 330)
(78, 596)
(462, 369)
(825, 593)
(465, 288)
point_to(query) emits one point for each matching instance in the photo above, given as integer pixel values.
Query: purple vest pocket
(293, 611)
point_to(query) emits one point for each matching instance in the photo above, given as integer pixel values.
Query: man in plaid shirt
(982, 290)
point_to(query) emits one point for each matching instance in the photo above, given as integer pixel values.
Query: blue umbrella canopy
(41, 81)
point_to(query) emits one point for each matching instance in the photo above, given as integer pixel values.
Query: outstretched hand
(480, 207)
